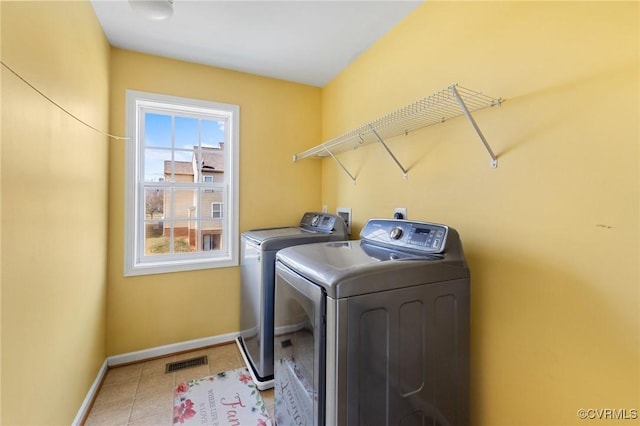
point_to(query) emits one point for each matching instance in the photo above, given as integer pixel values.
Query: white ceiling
(304, 41)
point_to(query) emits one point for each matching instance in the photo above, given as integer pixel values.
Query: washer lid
(351, 268)
(260, 235)
(314, 227)
(278, 238)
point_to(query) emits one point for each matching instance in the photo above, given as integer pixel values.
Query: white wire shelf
(444, 105)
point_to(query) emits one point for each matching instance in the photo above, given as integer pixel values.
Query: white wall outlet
(400, 211)
(345, 213)
(324, 208)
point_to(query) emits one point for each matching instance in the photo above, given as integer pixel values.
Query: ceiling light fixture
(156, 10)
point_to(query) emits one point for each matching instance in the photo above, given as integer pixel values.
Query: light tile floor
(142, 393)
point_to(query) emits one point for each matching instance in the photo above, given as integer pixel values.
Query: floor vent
(187, 363)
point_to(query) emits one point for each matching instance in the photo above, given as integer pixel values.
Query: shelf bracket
(353, 179)
(404, 171)
(465, 110)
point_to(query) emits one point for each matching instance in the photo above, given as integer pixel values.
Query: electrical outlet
(400, 211)
(324, 209)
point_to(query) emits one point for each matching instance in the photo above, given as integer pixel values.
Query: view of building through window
(184, 158)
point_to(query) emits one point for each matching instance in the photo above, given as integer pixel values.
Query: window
(208, 179)
(216, 210)
(181, 176)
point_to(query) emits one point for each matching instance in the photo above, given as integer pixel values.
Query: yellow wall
(552, 234)
(276, 119)
(54, 210)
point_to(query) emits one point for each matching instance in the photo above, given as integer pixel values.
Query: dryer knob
(396, 233)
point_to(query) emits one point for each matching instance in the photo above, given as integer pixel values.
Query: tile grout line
(135, 394)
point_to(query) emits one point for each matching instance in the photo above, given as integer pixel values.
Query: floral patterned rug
(229, 398)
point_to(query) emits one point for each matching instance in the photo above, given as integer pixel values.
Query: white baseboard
(170, 349)
(83, 411)
(142, 355)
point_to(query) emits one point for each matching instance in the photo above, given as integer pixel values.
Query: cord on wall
(59, 106)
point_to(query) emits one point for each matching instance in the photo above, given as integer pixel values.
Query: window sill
(152, 268)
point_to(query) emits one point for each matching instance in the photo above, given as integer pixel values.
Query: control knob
(396, 233)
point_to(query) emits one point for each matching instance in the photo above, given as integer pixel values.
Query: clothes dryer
(257, 270)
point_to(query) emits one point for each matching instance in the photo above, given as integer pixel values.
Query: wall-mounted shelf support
(437, 108)
(341, 165)
(465, 110)
(404, 171)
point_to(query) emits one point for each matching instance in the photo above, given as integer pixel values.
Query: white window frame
(136, 262)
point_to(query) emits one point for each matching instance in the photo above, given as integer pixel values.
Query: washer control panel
(318, 222)
(403, 234)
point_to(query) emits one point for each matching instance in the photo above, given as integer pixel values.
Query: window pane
(157, 165)
(187, 134)
(212, 133)
(210, 198)
(180, 203)
(156, 240)
(211, 163)
(184, 236)
(211, 235)
(157, 130)
(185, 201)
(154, 203)
(183, 167)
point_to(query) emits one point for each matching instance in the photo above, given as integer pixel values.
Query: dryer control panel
(398, 234)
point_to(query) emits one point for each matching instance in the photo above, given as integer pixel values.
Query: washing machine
(374, 331)
(257, 271)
